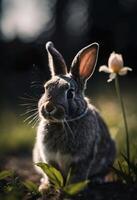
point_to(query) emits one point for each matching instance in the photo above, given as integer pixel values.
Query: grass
(112, 116)
(13, 188)
(15, 135)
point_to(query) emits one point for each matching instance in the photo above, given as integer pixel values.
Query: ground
(109, 191)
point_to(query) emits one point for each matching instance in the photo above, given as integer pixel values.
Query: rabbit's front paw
(44, 187)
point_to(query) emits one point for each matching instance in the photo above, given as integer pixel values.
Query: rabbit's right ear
(84, 62)
(56, 62)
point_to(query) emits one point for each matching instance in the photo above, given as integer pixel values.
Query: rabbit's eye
(70, 93)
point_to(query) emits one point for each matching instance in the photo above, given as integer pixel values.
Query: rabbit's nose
(49, 107)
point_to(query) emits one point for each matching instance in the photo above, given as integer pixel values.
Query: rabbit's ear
(56, 62)
(84, 62)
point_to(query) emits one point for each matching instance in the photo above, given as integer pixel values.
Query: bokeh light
(26, 19)
(76, 18)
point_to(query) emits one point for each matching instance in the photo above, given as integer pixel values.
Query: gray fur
(74, 135)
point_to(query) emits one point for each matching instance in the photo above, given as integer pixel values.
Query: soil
(23, 166)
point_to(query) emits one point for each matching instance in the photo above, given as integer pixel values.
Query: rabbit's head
(64, 92)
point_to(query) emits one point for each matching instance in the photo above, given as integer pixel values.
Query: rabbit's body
(90, 142)
(71, 132)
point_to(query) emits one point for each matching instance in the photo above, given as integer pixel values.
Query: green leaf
(32, 187)
(75, 188)
(68, 176)
(58, 176)
(53, 174)
(8, 188)
(4, 174)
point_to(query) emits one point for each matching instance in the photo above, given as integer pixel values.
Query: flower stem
(124, 119)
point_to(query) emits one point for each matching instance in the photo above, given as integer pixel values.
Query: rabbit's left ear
(84, 62)
(57, 64)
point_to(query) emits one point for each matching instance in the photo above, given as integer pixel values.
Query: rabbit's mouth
(54, 114)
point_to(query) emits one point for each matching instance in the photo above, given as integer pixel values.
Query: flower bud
(115, 62)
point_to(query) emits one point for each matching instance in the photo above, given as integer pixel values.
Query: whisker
(30, 116)
(35, 123)
(36, 82)
(36, 85)
(33, 119)
(31, 97)
(28, 104)
(31, 104)
(29, 111)
(28, 99)
(70, 130)
(32, 109)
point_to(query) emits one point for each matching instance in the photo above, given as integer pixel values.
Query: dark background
(73, 25)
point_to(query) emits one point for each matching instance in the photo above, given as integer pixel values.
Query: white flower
(115, 66)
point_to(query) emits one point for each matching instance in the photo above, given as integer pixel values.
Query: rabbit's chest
(63, 161)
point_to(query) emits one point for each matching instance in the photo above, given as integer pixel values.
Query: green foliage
(57, 180)
(75, 188)
(13, 188)
(32, 187)
(53, 174)
(126, 170)
(4, 174)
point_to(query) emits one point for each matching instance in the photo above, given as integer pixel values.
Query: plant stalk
(117, 86)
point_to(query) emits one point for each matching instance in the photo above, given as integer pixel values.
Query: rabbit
(71, 133)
